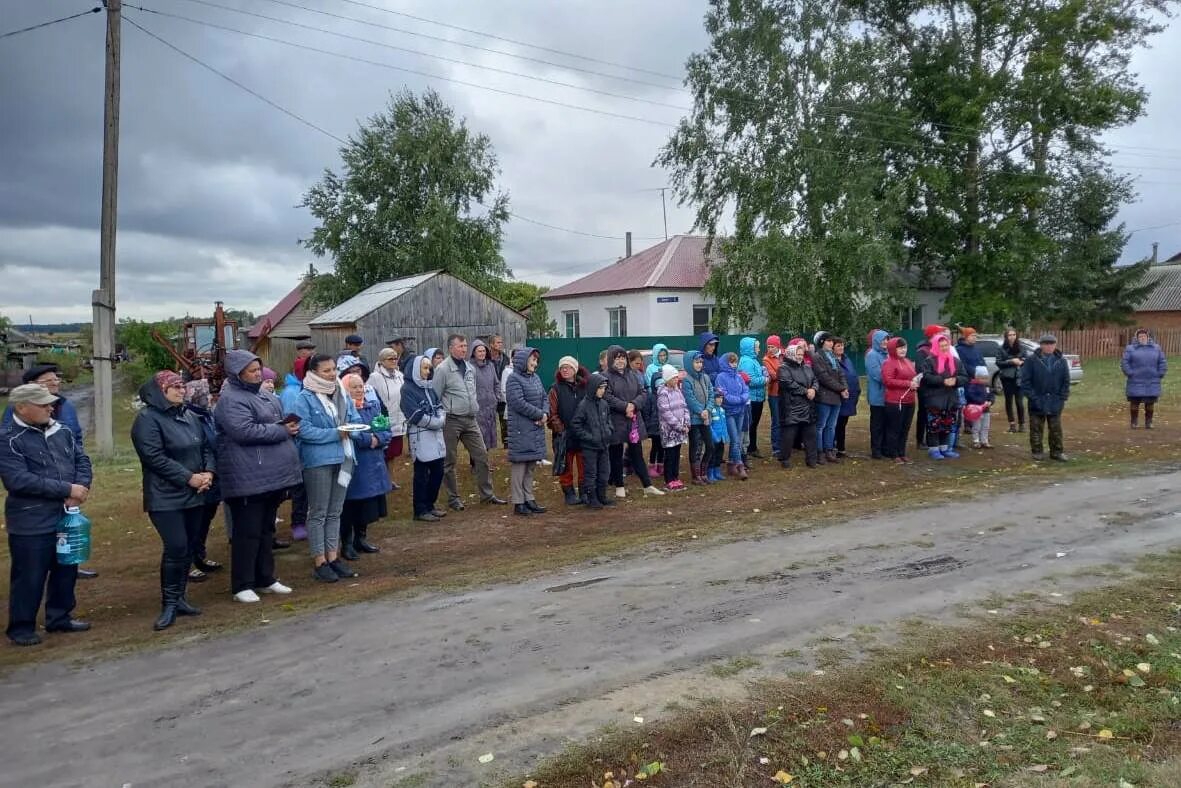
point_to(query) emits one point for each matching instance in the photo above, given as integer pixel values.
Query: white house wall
(649, 312)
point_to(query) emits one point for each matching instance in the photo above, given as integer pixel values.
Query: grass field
(486, 544)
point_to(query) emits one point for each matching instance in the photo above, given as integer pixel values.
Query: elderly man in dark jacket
(43, 468)
(1045, 382)
(257, 463)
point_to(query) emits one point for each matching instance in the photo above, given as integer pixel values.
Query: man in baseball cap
(43, 468)
(1045, 382)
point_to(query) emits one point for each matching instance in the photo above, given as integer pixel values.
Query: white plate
(353, 428)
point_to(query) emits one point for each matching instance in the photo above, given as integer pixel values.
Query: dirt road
(424, 687)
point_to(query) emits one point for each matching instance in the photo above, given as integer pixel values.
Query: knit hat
(774, 341)
(967, 331)
(166, 379)
(269, 374)
(932, 330)
(568, 361)
(819, 337)
(981, 372)
(669, 373)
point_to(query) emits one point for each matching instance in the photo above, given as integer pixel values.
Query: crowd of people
(329, 440)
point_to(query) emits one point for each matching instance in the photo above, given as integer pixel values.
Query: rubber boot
(183, 608)
(361, 540)
(1149, 412)
(1135, 415)
(604, 498)
(571, 496)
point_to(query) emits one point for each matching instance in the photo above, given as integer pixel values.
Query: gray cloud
(210, 176)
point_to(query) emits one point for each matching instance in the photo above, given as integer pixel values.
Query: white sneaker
(653, 491)
(276, 588)
(546, 463)
(620, 492)
(246, 596)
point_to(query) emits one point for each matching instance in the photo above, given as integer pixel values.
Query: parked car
(675, 357)
(989, 346)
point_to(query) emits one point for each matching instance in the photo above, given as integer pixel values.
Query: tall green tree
(417, 192)
(817, 237)
(1005, 99)
(526, 297)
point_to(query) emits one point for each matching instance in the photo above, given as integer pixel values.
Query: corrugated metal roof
(370, 299)
(1166, 297)
(678, 263)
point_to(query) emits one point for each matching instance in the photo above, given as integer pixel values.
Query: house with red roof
(274, 336)
(655, 292)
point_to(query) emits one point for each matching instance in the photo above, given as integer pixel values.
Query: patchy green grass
(733, 667)
(1085, 694)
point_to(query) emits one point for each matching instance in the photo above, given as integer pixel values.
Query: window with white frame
(573, 328)
(617, 322)
(703, 317)
(912, 319)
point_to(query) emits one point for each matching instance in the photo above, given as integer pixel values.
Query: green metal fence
(587, 349)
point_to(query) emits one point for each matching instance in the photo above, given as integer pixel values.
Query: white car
(989, 346)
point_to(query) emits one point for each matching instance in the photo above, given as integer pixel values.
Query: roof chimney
(627, 245)
(1155, 249)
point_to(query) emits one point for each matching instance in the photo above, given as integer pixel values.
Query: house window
(912, 319)
(573, 329)
(703, 318)
(617, 322)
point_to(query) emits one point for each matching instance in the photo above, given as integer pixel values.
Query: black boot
(172, 573)
(183, 608)
(521, 510)
(361, 540)
(534, 507)
(583, 498)
(348, 552)
(571, 496)
(604, 498)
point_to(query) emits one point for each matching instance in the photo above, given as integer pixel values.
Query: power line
(11, 33)
(403, 69)
(539, 47)
(464, 44)
(232, 81)
(325, 132)
(421, 53)
(1154, 227)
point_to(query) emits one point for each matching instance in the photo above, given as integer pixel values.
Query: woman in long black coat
(626, 396)
(178, 466)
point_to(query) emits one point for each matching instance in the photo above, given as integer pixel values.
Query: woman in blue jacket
(849, 404)
(735, 398)
(750, 363)
(699, 396)
(364, 501)
(328, 456)
(1144, 365)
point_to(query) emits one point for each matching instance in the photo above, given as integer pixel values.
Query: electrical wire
(517, 42)
(403, 69)
(40, 25)
(325, 132)
(421, 53)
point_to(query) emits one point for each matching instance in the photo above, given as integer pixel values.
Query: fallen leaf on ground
(782, 777)
(757, 732)
(918, 771)
(989, 713)
(1105, 734)
(1041, 767)
(486, 758)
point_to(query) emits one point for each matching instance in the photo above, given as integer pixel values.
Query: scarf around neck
(317, 385)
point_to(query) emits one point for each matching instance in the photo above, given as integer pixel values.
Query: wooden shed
(427, 307)
(274, 336)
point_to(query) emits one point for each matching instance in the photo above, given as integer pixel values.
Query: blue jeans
(826, 426)
(773, 404)
(734, 428)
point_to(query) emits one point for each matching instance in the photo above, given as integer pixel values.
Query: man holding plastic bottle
(44, 469)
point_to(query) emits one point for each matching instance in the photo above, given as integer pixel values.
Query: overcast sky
(210, 175)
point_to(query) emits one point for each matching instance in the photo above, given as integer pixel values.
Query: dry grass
(486, 544)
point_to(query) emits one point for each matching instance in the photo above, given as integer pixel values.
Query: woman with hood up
(699, 396)
(654, 380)
(569, 389)
(748, 362)
(527, 407)
(258, 464)
(797, 405)
(709, 355)
(178, 464)
(901, 383)
(849, 404)
(875, 391)
(387, 381)
(735, 398)
(424, 429)
(834, 389)
(626, 396)
(942, 375)
(1144, 365)
(771, 361)
(487, 392)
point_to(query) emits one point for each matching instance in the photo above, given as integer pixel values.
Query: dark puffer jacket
(526, 403)
(934, 393)
(592, 419)
(795, 378)
(1005, 356)
(563, 403)
(37, 467)
(172, 445)
(255, 454)
(1045, 382)
(623, 388)
(829, 377)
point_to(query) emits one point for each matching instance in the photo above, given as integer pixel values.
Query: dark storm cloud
(210, 176)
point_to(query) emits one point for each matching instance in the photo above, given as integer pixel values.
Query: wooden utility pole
(103, 299)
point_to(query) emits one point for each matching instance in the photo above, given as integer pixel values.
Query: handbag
(633, 435)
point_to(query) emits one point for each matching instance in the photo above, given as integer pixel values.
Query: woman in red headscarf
(178, 465)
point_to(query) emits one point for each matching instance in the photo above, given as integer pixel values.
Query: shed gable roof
(679, 263)
(371, 298)
(281, 310)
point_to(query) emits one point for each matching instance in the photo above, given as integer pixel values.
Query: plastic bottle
(73, 537)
